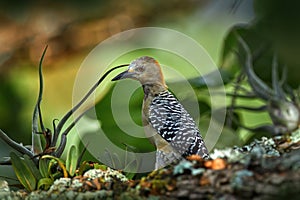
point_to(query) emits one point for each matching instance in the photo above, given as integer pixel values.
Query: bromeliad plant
(49, 168)
(281, 102)
(39, 165)
(282, 107)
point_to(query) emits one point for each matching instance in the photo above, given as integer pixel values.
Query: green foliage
(109, 123)
(24, 171)
(45, 183)
(72, 159)
(131, 169)
(270, 31)
(275, 29)
(278, 22)
(49, 168)
(60, 162)
(35, 171)
(262, 76)
(85, 165)
(41, 165)
(230, 46)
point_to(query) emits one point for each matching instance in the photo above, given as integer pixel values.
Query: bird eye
(139, 69)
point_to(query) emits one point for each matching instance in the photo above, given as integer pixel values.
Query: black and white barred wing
(173, 123)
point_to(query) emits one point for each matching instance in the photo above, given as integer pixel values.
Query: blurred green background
(73, 28)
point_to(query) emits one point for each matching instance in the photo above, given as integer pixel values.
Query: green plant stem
(259, 87)
(36, 138)
(63, 140)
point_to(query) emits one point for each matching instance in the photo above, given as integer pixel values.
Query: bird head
(144, 69)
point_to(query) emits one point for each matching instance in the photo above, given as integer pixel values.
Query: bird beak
(126, 74)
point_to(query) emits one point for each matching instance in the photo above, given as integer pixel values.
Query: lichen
(185, 165)
(107, 175)
(238, 179)
(60, 185)
(232, 172)
(181, 166)
(76, 184)
(257, 149)
(295, 136)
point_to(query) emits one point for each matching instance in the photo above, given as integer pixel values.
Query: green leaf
(116, 161)
(99, 166)
(72, 160)
(230, 45)
(211, 79)
(43, 167)
(131, 169)
(51, 163)
(108, 158)
(111, 128)
(45, 183)
(60, 162)
(130, 175)
(83, 167)
(23, 172)
(29, 162)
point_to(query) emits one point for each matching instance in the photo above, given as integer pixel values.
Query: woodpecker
(167, 124)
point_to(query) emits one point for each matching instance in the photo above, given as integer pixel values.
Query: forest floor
(268, 168)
